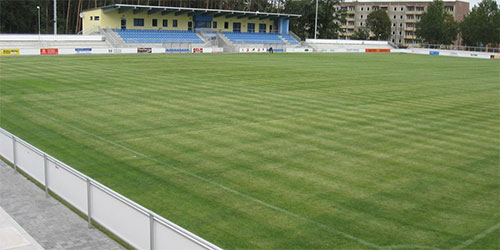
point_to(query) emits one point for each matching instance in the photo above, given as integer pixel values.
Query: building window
(361, 24)
(214, 25)
(165, 23)
(154, 23)
(139, 22)
(96, 18)
(91, 18)
(402, 8)
(361, 16)
(394, 17)
(394, 25)
(174, 23)
(226, 25)
(262, 28)
(251, 27)
(401, 17)
(367, 8)
(361, 8)
(395, 9)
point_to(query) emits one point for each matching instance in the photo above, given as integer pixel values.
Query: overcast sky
(474, 2)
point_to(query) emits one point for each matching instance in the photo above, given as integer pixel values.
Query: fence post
(46, 171)
(89, 214)
(14, 153)
(151, 232)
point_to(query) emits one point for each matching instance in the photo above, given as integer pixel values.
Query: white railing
(51, 38)
(131, 222)
(455, 47)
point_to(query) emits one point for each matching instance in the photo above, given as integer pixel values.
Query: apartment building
(403, 14)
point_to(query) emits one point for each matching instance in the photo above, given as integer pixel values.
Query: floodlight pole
(55, 17)
(316, 21)
(38, 8)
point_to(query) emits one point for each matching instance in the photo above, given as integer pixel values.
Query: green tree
(437, 26)
(482, 25)
(380, 24)
(328, 18)
(361, 34)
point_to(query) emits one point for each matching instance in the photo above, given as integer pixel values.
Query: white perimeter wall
(136, 225)
(345, 42)
(29, 37)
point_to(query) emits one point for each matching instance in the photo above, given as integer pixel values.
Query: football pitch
(278, 151)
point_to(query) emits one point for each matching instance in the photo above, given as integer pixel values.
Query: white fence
(31, 37)
(134, 224)
(346, 42)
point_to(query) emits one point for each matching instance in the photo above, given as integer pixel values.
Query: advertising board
(50, 51)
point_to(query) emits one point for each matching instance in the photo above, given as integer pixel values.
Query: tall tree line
(20, 16)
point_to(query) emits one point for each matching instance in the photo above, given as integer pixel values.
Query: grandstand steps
(112, 37)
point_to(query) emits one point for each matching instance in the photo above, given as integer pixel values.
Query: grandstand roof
(122, 8)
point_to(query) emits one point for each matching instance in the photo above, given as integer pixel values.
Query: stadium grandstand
(126, 25)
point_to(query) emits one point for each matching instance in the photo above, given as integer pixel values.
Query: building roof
(122, 8)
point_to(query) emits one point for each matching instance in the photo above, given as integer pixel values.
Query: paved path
(13, 236)
(49, 222)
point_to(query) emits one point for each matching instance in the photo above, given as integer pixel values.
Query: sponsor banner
(49, 51)
(377, 50)
(176, 50)
(197, 50)
(434, 53)
(10, 52)
(144, 50)
(352, 50)
(298, 50)
(254, 50)
(83, 50)
(495, 57)
(473, 54)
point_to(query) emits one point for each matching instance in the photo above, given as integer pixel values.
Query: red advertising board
(377, 50)
(49, 51)
(197, 50)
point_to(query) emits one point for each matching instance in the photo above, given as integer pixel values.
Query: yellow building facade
(121, 16)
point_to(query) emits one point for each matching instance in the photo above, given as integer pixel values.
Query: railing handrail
(456, 47)
(132, 204)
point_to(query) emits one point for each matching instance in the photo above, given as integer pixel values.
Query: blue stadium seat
(158, 36)
(253, 38)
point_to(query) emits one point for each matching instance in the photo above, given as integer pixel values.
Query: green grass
(281, 151)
